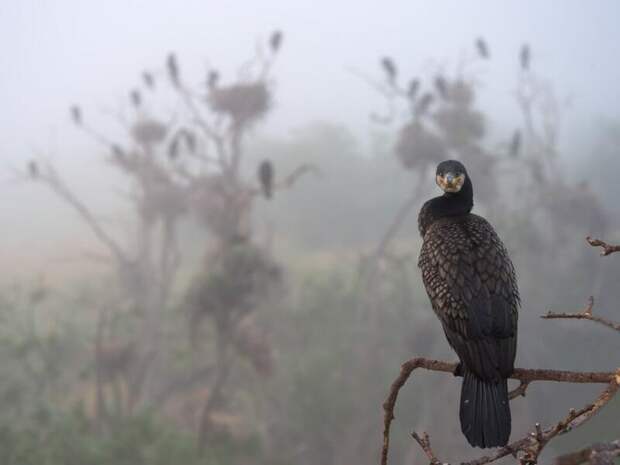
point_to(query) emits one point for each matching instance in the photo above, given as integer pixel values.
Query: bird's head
(450, 176)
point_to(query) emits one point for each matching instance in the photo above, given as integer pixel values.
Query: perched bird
(265, 176)
(424, 103)
(136, 98)
(515, 144)
(33, 169)
(483, 49)
(76, 114)
(412, 90)
(212, 79)
(524, 57)
(442, 86)
(389, 68)
(275, 41)
(148, 79)
(472, 286)
(173, 69)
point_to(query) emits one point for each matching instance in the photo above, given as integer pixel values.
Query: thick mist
(210, 244)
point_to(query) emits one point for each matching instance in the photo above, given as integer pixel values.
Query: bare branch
(50, 177)
(528, 449)
(524, 375)
(519, 391)
(425, 444)
(607, 248)
(585, 314)
(591, 454)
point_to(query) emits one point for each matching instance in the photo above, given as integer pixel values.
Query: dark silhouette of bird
(33, 169)
(412, 90)
(442, 86)
(173, 68)
(390, 68)
(148, 79)
(76, 114)
(472, 286)
(275, 41)
(515, 144)
(136, 98)
(213, 78)
(424, 103)
(483, 49)
(524, 57)
(265, 176)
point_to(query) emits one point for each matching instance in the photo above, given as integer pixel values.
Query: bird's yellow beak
(450, 182)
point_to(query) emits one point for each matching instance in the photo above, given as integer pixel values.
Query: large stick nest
(244, 103)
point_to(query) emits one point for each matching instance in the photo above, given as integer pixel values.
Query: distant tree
(178, 165)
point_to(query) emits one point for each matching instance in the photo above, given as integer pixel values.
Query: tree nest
(244, 103)
(417, 147)
(148, 132)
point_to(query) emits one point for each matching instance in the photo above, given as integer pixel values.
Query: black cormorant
(265, 176)
(472, 287)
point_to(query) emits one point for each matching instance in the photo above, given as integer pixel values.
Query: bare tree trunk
(221, 376)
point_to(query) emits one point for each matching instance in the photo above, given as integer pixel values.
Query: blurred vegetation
(275, 341)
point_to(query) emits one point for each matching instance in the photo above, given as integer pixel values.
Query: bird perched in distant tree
(390, 68)
(275, 41)
(213, 78)
(524, 57)
(148, 79)
(515, 144)
(76, 114)
(412, 90)
(265, 176)
(136, 98)
(173, 69)
(442, 86)
(472, 287)
(483, 49)
(33, 169)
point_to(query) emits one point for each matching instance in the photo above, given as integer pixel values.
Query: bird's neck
(450, 204)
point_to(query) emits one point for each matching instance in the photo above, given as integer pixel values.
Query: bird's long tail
(485, 411)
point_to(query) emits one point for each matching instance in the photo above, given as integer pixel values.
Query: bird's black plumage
(472, 287)
(265, 176)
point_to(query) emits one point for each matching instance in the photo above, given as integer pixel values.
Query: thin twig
(425, 444)
(607, 248)
(585, 314)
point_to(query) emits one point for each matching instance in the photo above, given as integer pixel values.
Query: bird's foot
(458, 371)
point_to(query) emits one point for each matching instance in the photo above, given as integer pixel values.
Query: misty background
(330, 314)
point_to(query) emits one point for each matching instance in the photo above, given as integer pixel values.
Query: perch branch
(593, 454)
(526, 376)
(528, 449)
(607, 248)
(584, 314)
(425, 444)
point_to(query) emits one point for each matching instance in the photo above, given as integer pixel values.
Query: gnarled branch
(599, 454)
(607, 248)
(528, 449)
(526, 376)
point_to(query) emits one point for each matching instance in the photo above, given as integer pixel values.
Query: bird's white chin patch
(452, 186)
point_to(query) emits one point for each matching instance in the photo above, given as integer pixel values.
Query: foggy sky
(57, 52)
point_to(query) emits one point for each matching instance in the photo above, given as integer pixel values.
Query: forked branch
(607, 249)
(584, 314)
(528, 449)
